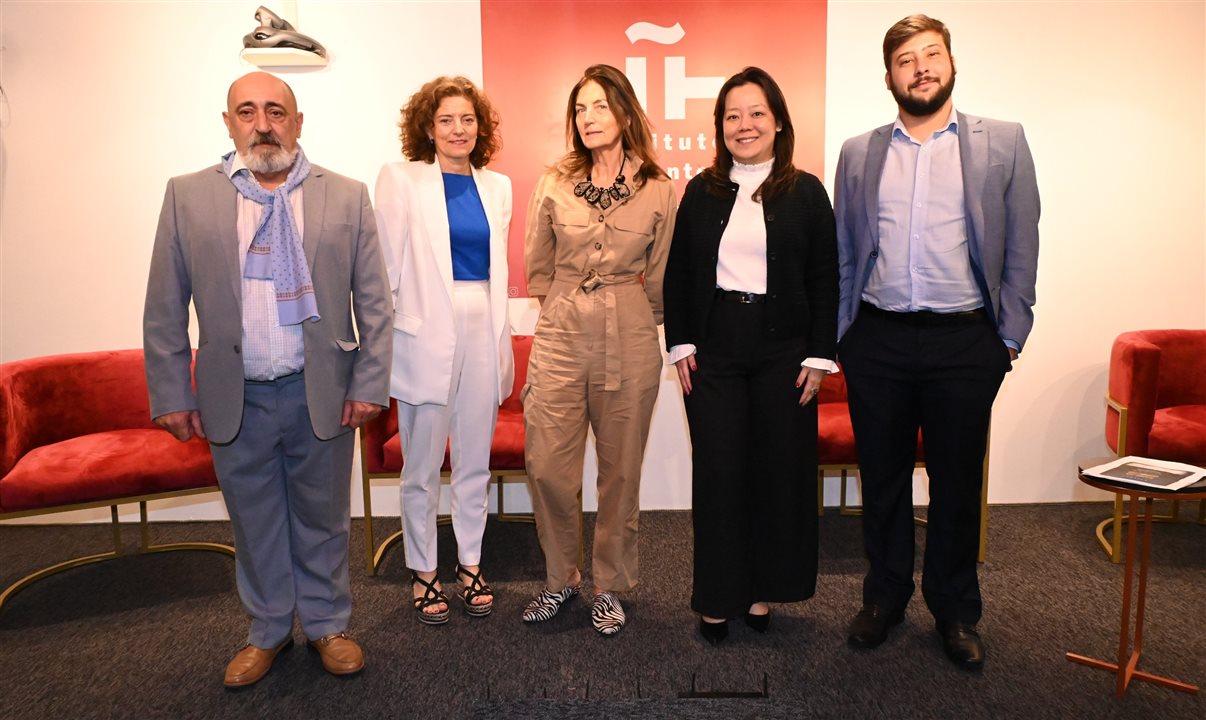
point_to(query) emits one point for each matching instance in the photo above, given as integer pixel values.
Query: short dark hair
(783, 172)
(906, 28)
(418, 117)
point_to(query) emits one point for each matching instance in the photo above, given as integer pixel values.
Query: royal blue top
(468, 228)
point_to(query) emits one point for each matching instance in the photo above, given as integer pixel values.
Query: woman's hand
(810, 379)
(686, 366)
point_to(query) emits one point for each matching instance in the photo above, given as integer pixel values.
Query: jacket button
(722, 222)
(772, 331)
(770, 217)
(774, 296)
(236, 349)
(874, 253)
(770, 256)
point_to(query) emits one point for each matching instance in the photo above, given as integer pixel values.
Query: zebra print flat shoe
(606, 614)
(545, 605)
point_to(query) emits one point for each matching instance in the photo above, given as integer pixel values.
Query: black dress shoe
(758, 623)
(714, 633)
(962, 644)
(869, 628)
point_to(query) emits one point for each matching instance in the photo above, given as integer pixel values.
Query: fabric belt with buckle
(736, 296)
(927, 318)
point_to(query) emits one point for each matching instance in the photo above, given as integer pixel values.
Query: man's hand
(356, 413)
(183, 425)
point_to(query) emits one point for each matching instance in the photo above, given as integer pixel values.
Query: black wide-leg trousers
(754, 457)
(910, 371)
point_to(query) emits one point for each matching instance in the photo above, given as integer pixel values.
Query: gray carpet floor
(148, 637)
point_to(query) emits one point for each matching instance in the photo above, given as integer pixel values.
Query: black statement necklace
(602, 197)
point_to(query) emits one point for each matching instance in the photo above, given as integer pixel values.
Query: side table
(1130, 645)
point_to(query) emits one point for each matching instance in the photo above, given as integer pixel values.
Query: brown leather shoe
(340, 654)
(252, 664)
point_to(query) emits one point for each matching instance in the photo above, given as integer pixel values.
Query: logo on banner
(676, 55)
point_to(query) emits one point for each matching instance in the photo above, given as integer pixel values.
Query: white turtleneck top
(741, 260)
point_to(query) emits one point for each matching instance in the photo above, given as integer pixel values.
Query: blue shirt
(468, 228)
(924, 262)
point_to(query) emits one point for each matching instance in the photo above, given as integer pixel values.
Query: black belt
(927, 318)
(736, 296)
(279, 379)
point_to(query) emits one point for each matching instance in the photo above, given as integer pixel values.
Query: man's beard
(919, 107)
(277, 159)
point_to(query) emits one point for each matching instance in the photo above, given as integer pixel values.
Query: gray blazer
(1002, 199)
(196, 257)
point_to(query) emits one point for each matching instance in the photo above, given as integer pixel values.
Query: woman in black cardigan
(751, 295)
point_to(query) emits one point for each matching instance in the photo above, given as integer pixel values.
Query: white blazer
(412, 220)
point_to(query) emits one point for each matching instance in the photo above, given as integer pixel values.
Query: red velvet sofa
(1155, 407)
(75, 433)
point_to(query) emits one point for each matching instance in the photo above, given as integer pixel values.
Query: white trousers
(469, 417)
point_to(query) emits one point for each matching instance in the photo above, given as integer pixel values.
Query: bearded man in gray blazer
(276, 255)
(937, 220)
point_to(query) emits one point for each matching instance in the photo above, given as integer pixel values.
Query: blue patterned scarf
(276, 252)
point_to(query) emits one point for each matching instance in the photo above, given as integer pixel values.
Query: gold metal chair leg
(503, 515)
(380, 551)
(843, 507)
(820, 493)
(145, 547)
(366, 483)
(1113, 546)
(582, 532)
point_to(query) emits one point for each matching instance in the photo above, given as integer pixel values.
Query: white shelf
(282, 57)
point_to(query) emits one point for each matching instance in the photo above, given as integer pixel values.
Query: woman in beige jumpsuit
(598, 234)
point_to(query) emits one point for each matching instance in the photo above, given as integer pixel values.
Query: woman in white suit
(443, 220)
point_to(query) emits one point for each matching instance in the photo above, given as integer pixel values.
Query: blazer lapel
(973, 156)
(225, 214)
(435, 209)
(877, 154)
(314, 203)
(492, 205)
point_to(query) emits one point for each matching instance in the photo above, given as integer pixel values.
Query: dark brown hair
(783, 172)
(906, 28)
(635, 133)
(418, 117)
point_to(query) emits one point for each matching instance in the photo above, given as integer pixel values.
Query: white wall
(107, 100)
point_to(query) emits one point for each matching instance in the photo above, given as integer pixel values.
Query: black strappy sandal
(431, 596)
(472, 590)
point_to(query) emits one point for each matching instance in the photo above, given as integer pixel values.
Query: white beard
(276, 160)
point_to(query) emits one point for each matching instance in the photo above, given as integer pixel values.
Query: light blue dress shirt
(924, 262)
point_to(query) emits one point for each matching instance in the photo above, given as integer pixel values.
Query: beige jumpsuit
(595, 361)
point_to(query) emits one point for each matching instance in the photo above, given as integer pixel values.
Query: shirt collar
(237, 164)
(952, 125)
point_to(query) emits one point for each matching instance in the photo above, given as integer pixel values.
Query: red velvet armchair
(1155, 407)
(381, 453)
(836, 452)
(75, 433)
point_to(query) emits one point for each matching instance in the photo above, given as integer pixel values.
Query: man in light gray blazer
(937, 219)
(276, 255)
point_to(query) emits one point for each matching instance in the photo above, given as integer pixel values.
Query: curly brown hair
(418, 117)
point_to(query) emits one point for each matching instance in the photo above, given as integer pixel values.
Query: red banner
(676, 54)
